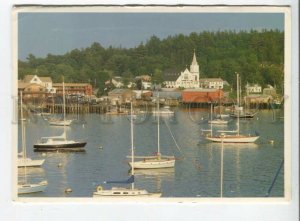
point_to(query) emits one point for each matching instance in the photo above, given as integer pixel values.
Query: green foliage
(257, 56)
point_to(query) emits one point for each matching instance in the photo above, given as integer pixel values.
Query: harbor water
(248, 169)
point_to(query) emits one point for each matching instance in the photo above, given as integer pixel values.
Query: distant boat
(218, 121)
(243, 114)
(156, 161)
(59, 142)
(58, 122)
(235, 137)
(25, 186)
(163, 111)
(32, 188)
(121, 191)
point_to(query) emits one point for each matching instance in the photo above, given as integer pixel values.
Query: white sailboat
(219, 120)
(57, 121)
(25, 187)
(235, 136)
(23, 160)
(156, 161)
(59, 142)
(239, 111)
(125, 192)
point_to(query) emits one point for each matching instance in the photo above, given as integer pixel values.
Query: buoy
(99, 188)
(257, 118)
(100, 147)
(82, 125)
(59, 165)
(271, 141)
(68, 190)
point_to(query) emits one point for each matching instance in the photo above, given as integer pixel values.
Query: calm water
(249, 169)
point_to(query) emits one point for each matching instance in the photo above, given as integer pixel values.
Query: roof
(70, 84)
(119, 91)
(201, 90)
(210, 79)
(167, 94)
(45, 79)
(29, 77)
(22, 85)
(169, 76)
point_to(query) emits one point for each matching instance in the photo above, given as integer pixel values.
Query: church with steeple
(187, 78)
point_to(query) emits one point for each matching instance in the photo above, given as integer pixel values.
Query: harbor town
(189, 112)
(150, 105)
(185, 88)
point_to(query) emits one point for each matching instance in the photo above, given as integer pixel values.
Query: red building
(74, 88)
(202, 95)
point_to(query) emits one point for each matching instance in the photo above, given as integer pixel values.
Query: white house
(212, 83)
(187, 78)
(45, 82)
(253, 88)
(117, 81)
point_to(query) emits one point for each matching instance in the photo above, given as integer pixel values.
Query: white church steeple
(194, 68)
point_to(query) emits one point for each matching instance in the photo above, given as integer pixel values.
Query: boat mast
(132, 148)
(238, 111)
(158, 142)
(23, 137)
(64, 109)
(211, 119)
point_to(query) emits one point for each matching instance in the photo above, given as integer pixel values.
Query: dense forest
(257, 56)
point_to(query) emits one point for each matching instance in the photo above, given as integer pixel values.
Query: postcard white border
(267, 210)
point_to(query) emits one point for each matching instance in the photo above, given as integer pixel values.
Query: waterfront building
(35, 86)
(253, 88)
(202, 95)
(120, 96)
(270, 90)
(186, 79)
(84, 89)
(211, 83)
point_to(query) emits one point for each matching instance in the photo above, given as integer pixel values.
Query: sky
(58, 33)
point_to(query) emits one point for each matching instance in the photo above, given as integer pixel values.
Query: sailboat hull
(32, 188)
(153, 163)
(27, 162)
(64, 146)
(233, 139)
(123, 192)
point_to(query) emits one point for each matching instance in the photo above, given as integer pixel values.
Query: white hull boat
(233, 138)
(154, 163)
(123, 192)
(218, 121)
(27, 162)
(32, 188)
(55, 122)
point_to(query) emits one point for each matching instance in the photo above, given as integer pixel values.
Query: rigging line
(274, 180)
(174, 139)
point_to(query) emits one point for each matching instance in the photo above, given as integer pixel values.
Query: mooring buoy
(68, 190)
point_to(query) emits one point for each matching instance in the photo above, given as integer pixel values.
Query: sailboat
(235, 137)
(26, 187)
(217, 121)
(238, 111)
(156, 161)
(125, 192)
(59, 142)
(23, 160)
(57, 121)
